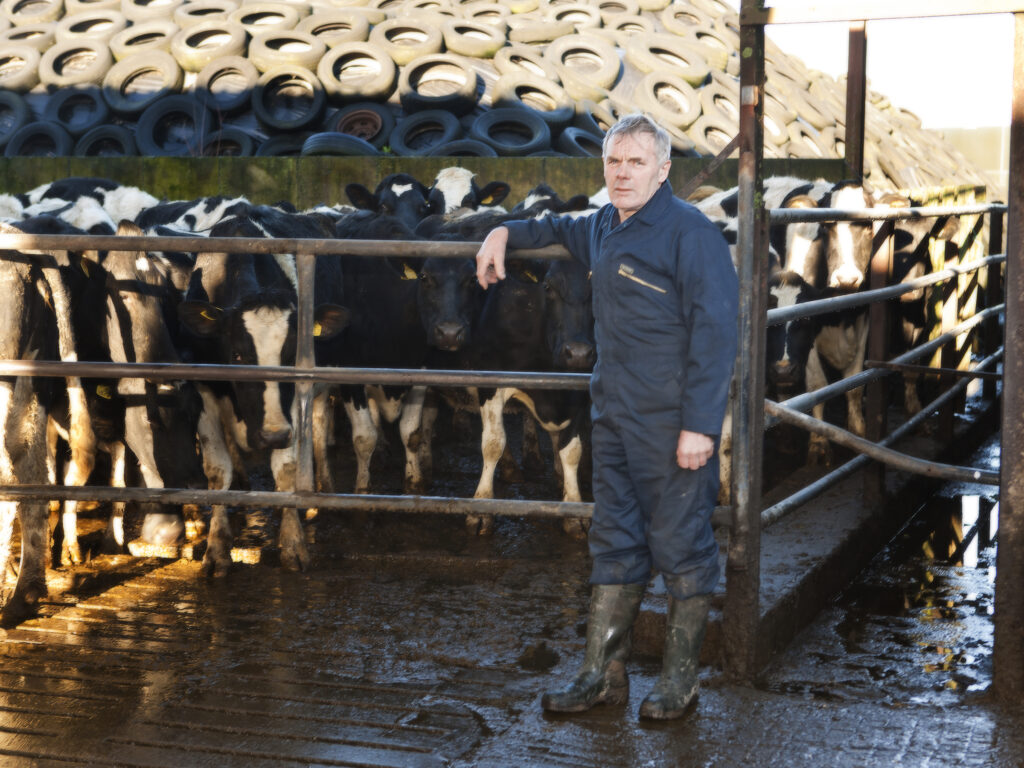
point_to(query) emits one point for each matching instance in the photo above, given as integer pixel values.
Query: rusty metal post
(949, 355)
(1008, 649)
(741, 613)
(856, 92)
(993, 295)
(876, 400)
(304, 358)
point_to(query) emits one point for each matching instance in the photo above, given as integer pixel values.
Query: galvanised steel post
(304, 359)
(1008, 651)
(741, 614)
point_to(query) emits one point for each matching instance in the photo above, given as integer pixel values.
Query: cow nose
(846, 279)
(449, 336)
(276, 438)
(783, 369)
(578, 355)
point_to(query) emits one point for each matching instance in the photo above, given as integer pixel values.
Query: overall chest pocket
(630, 273)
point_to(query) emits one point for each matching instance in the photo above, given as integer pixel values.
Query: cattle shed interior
(748, 630)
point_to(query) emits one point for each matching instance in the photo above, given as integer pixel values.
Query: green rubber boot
(613, 609)
(677, 687)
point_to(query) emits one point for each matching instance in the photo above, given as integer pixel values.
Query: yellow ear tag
(206, 315)
(530, 276)
(104, 391)
(487, 200)
(408, 273)
(85, 267)
(317, 329)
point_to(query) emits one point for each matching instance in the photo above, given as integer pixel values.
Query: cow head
(848, 244)
(802, 248)
(788, 344)
(449, 300)
(398, 194)
(569, 317)
(455, 188)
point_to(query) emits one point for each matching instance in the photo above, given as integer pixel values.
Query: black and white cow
(242, 309)
(35, 324)
(193, 216)
(398, 194)
(455, 189)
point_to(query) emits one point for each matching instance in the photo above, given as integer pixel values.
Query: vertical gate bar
(856, 92)
(305, 358)
(1008, 648)
(993, 295)
(742, 610)
(949, 353)
(877, 392)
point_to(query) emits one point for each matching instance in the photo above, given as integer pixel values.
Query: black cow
(242, 309)
(398, 194)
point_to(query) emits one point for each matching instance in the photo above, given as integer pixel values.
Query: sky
(952, 72)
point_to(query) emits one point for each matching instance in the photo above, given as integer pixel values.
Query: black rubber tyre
(540, 31)
(336, 26)
(136, 83)
(229, 141)
(286, 48)
(477, 39)
(463, 148)
(38, 36)
(203, 43)
(680, 18)
(91, 25)
(806, 142)
(669, 99)
(653, 53)
(420, 133)
(494, 14)
(630, 26)
(576, 142)
(226, 85)
(710, 133)
(587, 58)
(406, 39)
(71, 7)
(174, 125)
(593, 118)
(39, 139)
(361, 71)
(77, 62)
(524, 58)
(260, 18)
(198, 11)
(20, 13)
(582, 16)
(366, 120)
(288, 99)
(438, 81)
(139, 11)
(19, 68)
(512, 132)
(550, 101)
(283, 145)
(77, 110)
(14, 113)
(143, 38)
(338, 144)
(106, 141)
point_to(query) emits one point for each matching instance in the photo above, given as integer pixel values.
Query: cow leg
(855, 398)
(533, 459)
(725, 457)
(292, 540)
(218, 468)
(113, 538)
(911, 402)
(52, 437)
(424, 447)
(8, 512)
(569, 458)
(31, 585)
(410, 427)
(322, 424)
(78, 471)
(492, 445)
(364, 441)
(818, 448)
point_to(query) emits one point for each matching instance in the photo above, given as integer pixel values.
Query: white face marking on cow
(799, 240)
(786, 295)
(454, 184)
(142, 264)
(268, 328)
(401, 189)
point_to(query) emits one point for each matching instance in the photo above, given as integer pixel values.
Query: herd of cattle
(376, 312)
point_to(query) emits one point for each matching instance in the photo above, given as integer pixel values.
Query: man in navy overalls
(665, 305)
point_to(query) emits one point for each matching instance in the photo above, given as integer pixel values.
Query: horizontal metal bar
(869, 10)
(400, 376)
(351, 502)
(795, 215)
(808, 400)
(879, 453)
(377, 248)
(777, 511)
(954, 372)
(860, 298)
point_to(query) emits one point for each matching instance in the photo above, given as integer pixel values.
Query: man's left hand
(694, 449)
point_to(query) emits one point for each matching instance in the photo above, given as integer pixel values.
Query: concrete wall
(307, 181)
(989, 149)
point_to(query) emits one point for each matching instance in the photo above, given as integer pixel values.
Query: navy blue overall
(665, 305)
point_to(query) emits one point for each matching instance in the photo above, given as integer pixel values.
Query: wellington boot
(602, 678)
(677, 687)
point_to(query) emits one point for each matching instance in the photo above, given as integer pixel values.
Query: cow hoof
(162, 529)
(576, 527)
(510, 472)
(819, 455)
(416, 487)
(214, 567)
(70, 554)
(111, 546)
(295, 559)
(479, 525)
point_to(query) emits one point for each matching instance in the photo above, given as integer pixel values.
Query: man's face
(632, 173)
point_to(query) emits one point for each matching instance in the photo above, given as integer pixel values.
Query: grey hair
(636, 123)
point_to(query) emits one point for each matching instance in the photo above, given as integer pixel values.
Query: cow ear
(361, 197)
(526, 270)
(949, 229)
(329, 321)
(200, 317)
(494, 193)
(576, 203)
(128, 228)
